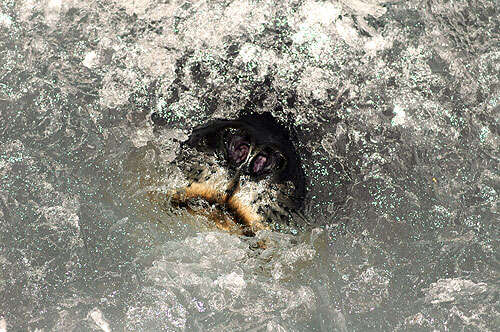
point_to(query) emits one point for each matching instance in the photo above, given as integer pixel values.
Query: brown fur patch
(230, 215)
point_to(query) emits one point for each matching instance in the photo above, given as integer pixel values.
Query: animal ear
(237, 145)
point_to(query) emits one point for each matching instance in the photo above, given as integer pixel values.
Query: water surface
(394, 111)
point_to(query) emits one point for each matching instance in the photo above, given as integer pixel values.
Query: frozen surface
(395, 110)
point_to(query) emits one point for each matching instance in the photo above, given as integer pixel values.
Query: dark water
(393, 107)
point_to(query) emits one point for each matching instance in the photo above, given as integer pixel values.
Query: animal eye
(266, 161)
(237, 145)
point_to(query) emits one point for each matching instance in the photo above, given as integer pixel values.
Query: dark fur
(266, 131)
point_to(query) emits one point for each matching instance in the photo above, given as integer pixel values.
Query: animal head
(244, 174)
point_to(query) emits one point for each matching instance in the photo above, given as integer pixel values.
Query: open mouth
(224, 211)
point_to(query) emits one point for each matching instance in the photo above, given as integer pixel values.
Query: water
(394, 110)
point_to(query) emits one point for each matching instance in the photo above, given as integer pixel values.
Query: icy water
(393, 106)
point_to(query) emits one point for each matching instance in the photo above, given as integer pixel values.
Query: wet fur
(228, 212)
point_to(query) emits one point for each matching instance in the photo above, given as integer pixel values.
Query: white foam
(400, 118)
(3, 325)
(324, 13)
(90, 59)
(98, 318)
(5, 20)
(232, 282)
